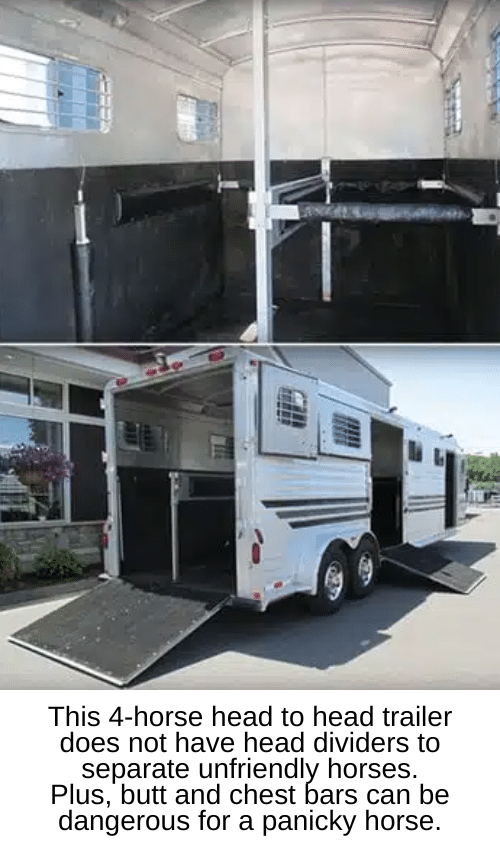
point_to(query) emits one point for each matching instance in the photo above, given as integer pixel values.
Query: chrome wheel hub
(365, 569)
(334, 581)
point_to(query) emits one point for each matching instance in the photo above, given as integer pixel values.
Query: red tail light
(256, 596)
(256, 553)
(278, 585)
(163, 369)
(151, 373)
(177, 365)
(216, 356)
(120, 382)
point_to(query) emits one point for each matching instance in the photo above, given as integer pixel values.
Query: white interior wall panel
(379, 103)
(480, 134)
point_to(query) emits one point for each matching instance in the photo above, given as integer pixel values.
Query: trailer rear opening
(175, 464)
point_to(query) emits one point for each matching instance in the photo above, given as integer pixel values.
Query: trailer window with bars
(140, 437)
(453, 108)
(197, 120)
(494, 74)
(346, 431)
(47, 92)
(415, 451)
(221, 448)
(291, 407)
(438, 457)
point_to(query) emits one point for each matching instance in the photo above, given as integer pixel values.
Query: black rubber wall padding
(136, 206)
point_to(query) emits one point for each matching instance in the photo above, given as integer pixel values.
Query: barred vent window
(197, 120)
(438, 457)
(453, 109)
(291, 407)
(415, 451)
(221, 448)
(129, 435)
(40, 91)
(134, 436)
(152, 438)
(346, 431)
(494, 75)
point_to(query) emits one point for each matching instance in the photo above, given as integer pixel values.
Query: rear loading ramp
(432, 565)
(119, 630)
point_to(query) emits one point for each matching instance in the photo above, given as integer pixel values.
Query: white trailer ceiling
(222, 28)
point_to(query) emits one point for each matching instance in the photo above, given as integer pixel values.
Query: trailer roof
(222, 28)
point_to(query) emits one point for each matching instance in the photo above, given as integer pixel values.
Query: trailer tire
(365, 565)
(333, 578)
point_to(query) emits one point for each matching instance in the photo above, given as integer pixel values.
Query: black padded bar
(378, 213)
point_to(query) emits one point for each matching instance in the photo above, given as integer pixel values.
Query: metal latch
(483, 216)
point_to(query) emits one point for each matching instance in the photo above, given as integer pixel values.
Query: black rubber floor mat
(432, 565)
(118, 630)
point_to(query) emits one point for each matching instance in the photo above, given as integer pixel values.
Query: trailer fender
(310, 561)
(364, 566)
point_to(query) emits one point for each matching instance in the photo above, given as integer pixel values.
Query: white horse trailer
(236, 479)
(278, 483)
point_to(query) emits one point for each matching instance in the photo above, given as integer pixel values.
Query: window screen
(346, 431)
(197, 120)
(291, 408)
(136, 436)
(128, 435)
(415, 451)
(438, 457)
(152, 438)
(494, 75)
(221, 448)
(453, 108)
(41, 91)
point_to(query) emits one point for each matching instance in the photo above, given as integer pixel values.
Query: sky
(454, 389)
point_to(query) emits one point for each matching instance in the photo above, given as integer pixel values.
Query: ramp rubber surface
(432, 565)
(118, 630)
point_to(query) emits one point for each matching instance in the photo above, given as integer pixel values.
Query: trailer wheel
(365, 564)
(333, 579)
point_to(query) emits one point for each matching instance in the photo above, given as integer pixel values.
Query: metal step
(118, 630)
(430, 564)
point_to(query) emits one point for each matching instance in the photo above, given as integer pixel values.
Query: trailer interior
(387, 483)
(175, 461)
(134, 221)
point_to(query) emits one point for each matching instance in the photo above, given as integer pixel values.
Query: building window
(85, 401)
(221, 448)
(41, 91)
(14, 389)
(415, 452)
(28, 495)
(291, 408)
(197, 120)
(453, 108)
(47, 394)
(346, 431)
(438, 457)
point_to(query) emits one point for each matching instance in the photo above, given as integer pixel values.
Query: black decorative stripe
(329, 521)
(297, 503)
(318, 512)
